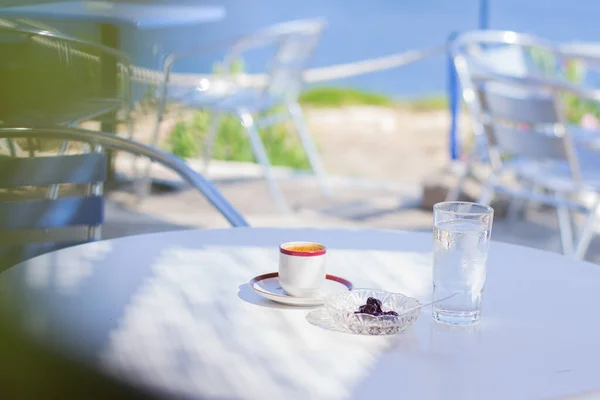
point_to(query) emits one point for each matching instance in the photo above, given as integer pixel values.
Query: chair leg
(587, 232)
(515, 207)
(487, 190)
(130, 132)
(261, 156)
(518, 206)
(529, 204)
(309, 147)
(143, 185)
(211, 136)
(455, 191)
(566, 231)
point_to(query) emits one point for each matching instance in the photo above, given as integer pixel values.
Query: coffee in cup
(302, 268)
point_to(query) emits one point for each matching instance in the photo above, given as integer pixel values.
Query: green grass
(339, 97)
(281, 142)
(326, 96)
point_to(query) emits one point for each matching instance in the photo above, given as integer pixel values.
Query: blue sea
(361, 29)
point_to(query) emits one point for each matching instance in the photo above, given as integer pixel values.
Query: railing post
(454, 86)
(453, 103)
(484, 14)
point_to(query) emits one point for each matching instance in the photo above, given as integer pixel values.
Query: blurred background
(375, 99)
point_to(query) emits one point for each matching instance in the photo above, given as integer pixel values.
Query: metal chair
(50, 78)
(35, 218)
(519, 146)
(500, 52)
(295, 42)
(536, 107)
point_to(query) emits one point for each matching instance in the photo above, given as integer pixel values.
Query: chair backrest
(510, 54)
(294, 41)
(49, 199)
(514, 124)
(511, 121)
(52, 218)
(507, 52)
(44, 73)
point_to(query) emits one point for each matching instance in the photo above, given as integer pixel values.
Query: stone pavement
(356, 203)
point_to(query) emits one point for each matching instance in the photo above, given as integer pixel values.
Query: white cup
(302, 268)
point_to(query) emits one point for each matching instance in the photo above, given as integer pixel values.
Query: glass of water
(461, 240)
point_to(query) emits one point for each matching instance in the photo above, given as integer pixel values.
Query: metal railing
(314, 75)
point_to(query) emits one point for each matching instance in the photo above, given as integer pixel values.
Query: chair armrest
(113, 142)
(554, 85)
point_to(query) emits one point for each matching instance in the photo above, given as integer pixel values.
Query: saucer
(267, 285)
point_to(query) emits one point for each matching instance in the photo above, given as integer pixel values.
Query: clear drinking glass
(461, 240)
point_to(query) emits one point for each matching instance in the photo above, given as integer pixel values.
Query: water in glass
(460, 255)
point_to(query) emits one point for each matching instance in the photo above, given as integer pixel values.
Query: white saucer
(267, 286)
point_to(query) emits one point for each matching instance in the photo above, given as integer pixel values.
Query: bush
(232, 144)
(337, 97)
(183, 143)
(326, 96)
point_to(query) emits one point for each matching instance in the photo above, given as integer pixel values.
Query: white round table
(174, 312)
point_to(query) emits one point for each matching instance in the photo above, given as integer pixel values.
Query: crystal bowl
(342, 309)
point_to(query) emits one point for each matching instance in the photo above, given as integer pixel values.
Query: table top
(141, 16)
(174, 312)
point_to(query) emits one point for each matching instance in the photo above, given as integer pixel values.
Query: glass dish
(342, 308)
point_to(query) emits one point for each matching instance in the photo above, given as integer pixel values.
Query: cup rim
(311, 253)
(486, 210)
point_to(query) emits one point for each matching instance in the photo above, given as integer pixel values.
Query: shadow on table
(31, 371)
(247, 294)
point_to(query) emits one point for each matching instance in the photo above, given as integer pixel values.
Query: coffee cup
(302, 268)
